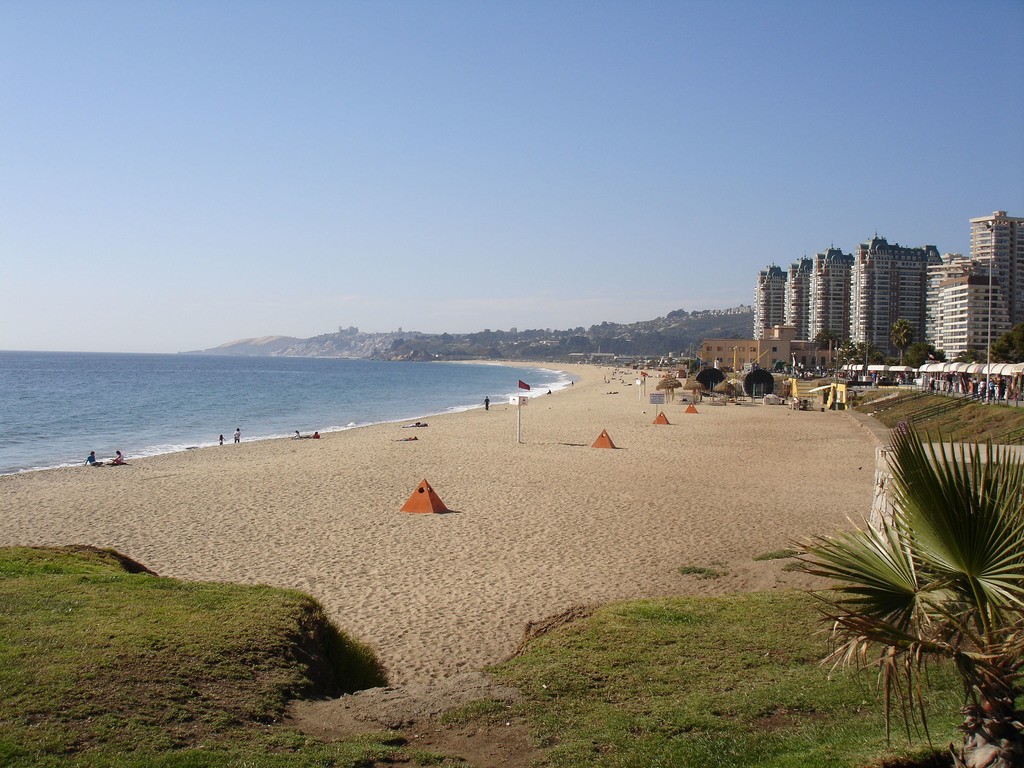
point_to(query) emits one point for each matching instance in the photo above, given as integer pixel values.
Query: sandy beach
(534, 529)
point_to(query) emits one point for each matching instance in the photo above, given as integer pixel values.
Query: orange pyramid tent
(603, 440)
(424, 501)
(661, 418)
(691, 408)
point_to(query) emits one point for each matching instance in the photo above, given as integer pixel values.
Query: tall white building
(949, 266)
(997, 242)
(829, 301)
(966, 305)
(798, 290)
(889, 282)
(769, 300)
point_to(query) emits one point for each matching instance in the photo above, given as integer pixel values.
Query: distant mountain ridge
(677, 333)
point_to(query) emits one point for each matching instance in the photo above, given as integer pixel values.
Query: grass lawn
(103, 667)
(970, 422)
(732, 681)
(100, 666)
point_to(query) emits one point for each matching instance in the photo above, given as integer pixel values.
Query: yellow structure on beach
(833, 396)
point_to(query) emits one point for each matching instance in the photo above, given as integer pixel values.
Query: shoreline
(172, 448)
(534, 528)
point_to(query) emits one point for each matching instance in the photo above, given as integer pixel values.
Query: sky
(176, 175)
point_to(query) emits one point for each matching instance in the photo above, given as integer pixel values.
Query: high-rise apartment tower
(997, 243)
(889, 282)
(769, 300)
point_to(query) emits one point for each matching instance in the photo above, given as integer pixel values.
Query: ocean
(55, 407)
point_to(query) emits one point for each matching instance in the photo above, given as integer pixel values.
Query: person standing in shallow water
(238, 434)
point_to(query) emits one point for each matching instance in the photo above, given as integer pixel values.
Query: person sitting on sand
(316, 435)
(118, 459)
(91, 461)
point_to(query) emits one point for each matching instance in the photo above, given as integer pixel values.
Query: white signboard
(518, 400)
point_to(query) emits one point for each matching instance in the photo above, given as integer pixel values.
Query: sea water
(55, 407)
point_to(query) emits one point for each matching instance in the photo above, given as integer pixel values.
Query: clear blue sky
(174, 175)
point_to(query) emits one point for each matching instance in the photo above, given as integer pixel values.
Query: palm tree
(824, 340)
(846, 353)
(944, 579)
(901, 334)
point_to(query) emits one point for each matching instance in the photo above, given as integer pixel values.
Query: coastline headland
(534, 528)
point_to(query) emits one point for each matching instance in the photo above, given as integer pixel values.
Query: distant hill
(678, 334)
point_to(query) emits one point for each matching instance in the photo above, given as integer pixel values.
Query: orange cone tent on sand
(691, 409)
(603, 440)
(424, 501)
(661, 418)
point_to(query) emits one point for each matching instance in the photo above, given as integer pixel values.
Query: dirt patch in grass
(419, 717)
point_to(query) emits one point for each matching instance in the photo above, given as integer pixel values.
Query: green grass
(699, 571)
(974, 422)
(101, 666)
(732, 681)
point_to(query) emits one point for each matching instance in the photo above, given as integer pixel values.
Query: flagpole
(519, 411)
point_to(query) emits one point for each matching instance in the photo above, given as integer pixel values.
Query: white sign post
(519, 401)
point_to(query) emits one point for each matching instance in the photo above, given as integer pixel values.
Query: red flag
(523, 384)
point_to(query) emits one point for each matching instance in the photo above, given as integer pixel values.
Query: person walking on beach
(222, 439)
(487, 403)
(238, 434)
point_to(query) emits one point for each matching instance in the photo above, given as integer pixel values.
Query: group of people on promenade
(990, 389)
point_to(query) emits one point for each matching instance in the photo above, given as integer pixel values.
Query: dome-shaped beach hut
(759, 383)
(710, 378)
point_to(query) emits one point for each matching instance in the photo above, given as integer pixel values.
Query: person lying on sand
(405, 439)
(417, 424)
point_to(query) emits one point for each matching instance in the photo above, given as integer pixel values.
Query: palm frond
(964, 510)
(875, 576)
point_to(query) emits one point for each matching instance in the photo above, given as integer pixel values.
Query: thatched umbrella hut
(696, 387)
(727, 388)
(669, 384)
